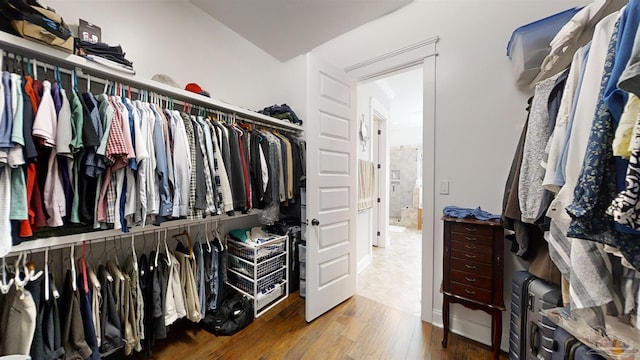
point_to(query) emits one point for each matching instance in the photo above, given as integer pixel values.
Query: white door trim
(379, 119)
(425, 53)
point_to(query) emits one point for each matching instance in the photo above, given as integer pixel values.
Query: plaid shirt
(116, 146)
(192, 213)
(211, 208)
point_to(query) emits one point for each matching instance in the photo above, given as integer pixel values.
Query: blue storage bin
(529, 45)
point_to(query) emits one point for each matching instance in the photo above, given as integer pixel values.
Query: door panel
(331, 187)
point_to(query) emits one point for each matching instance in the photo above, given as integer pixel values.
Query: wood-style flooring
(359, 328)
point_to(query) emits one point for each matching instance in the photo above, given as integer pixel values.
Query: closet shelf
(44, 53)
(58, 242)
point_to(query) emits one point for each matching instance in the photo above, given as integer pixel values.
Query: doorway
(424, 54)
(393, 104)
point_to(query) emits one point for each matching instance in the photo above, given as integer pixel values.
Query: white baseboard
(472, 330)
(363, 263)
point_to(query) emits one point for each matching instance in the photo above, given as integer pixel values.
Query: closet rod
(163, 98)
(61, 242)
(47, 54)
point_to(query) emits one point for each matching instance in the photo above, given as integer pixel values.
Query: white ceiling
(288, 28)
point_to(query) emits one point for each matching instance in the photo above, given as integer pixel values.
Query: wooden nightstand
(472, 272)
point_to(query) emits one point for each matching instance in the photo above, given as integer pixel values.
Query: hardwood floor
(359, 328)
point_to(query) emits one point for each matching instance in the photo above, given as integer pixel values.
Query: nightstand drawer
(472, 229)
(474, 280)
(470, 247)
(468, 255)
(471, 292)
(472, 267)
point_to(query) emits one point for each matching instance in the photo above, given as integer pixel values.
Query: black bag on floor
(234, 315)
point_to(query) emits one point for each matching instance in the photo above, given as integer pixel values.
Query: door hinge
(379, 132)
(378, 233)
(379, 166)
(378, 199)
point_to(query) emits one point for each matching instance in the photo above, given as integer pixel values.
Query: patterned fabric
(625, 207)
(213, 166)
(211, 208)
(192, 213)
(116, 145)
(596, 187)
(111, 199)
(531, 173)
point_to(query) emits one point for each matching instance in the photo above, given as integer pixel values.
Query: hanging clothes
(17, 321)
(73, 335)
(111, 330)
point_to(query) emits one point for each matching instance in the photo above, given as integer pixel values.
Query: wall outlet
(444, 187)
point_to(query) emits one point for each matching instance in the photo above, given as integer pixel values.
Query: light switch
(444, 187)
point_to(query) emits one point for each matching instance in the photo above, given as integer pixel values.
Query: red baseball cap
(193, 87)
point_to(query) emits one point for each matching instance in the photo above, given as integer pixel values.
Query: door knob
(315, 222)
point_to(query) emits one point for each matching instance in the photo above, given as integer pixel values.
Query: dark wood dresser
(473, 271)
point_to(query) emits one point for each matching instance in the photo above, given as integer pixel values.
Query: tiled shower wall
(405, 174)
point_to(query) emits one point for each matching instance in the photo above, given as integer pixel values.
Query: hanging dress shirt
(182, 167)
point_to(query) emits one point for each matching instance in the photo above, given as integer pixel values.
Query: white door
(331, 187)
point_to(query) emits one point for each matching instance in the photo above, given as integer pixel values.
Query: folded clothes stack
(282, 112)
(111, 56)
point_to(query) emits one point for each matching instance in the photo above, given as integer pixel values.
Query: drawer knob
(471, 280)
(470, 229)
(470, 256)
(470, 292)
(470, 267)
(470, 247)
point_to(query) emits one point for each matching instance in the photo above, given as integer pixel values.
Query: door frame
(422, 53)
(379, 121)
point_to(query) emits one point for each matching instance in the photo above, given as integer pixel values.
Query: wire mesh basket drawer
(258, 252)
(265, 267)
(264, 299)
(263, 285)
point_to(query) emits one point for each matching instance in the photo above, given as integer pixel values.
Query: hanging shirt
(94, 165)
(45, 123)
(209, 207)
(182, 167)
(221, 178)
(5, 203)
(162, 170)
(16, 154)
(6, 121)
(29, 111)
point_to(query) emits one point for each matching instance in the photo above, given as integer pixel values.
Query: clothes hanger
(5, 285)
(157, 249)
(33, 275)
(206, 237)
(186, 233)
(82, 262)
(46, 274)
(166, 248)
(133, 252)
(18, 282)
(216, 240)
(73, 268)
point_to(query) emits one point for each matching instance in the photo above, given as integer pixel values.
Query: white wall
(177, 39)
(399, 136)
(479, 112)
